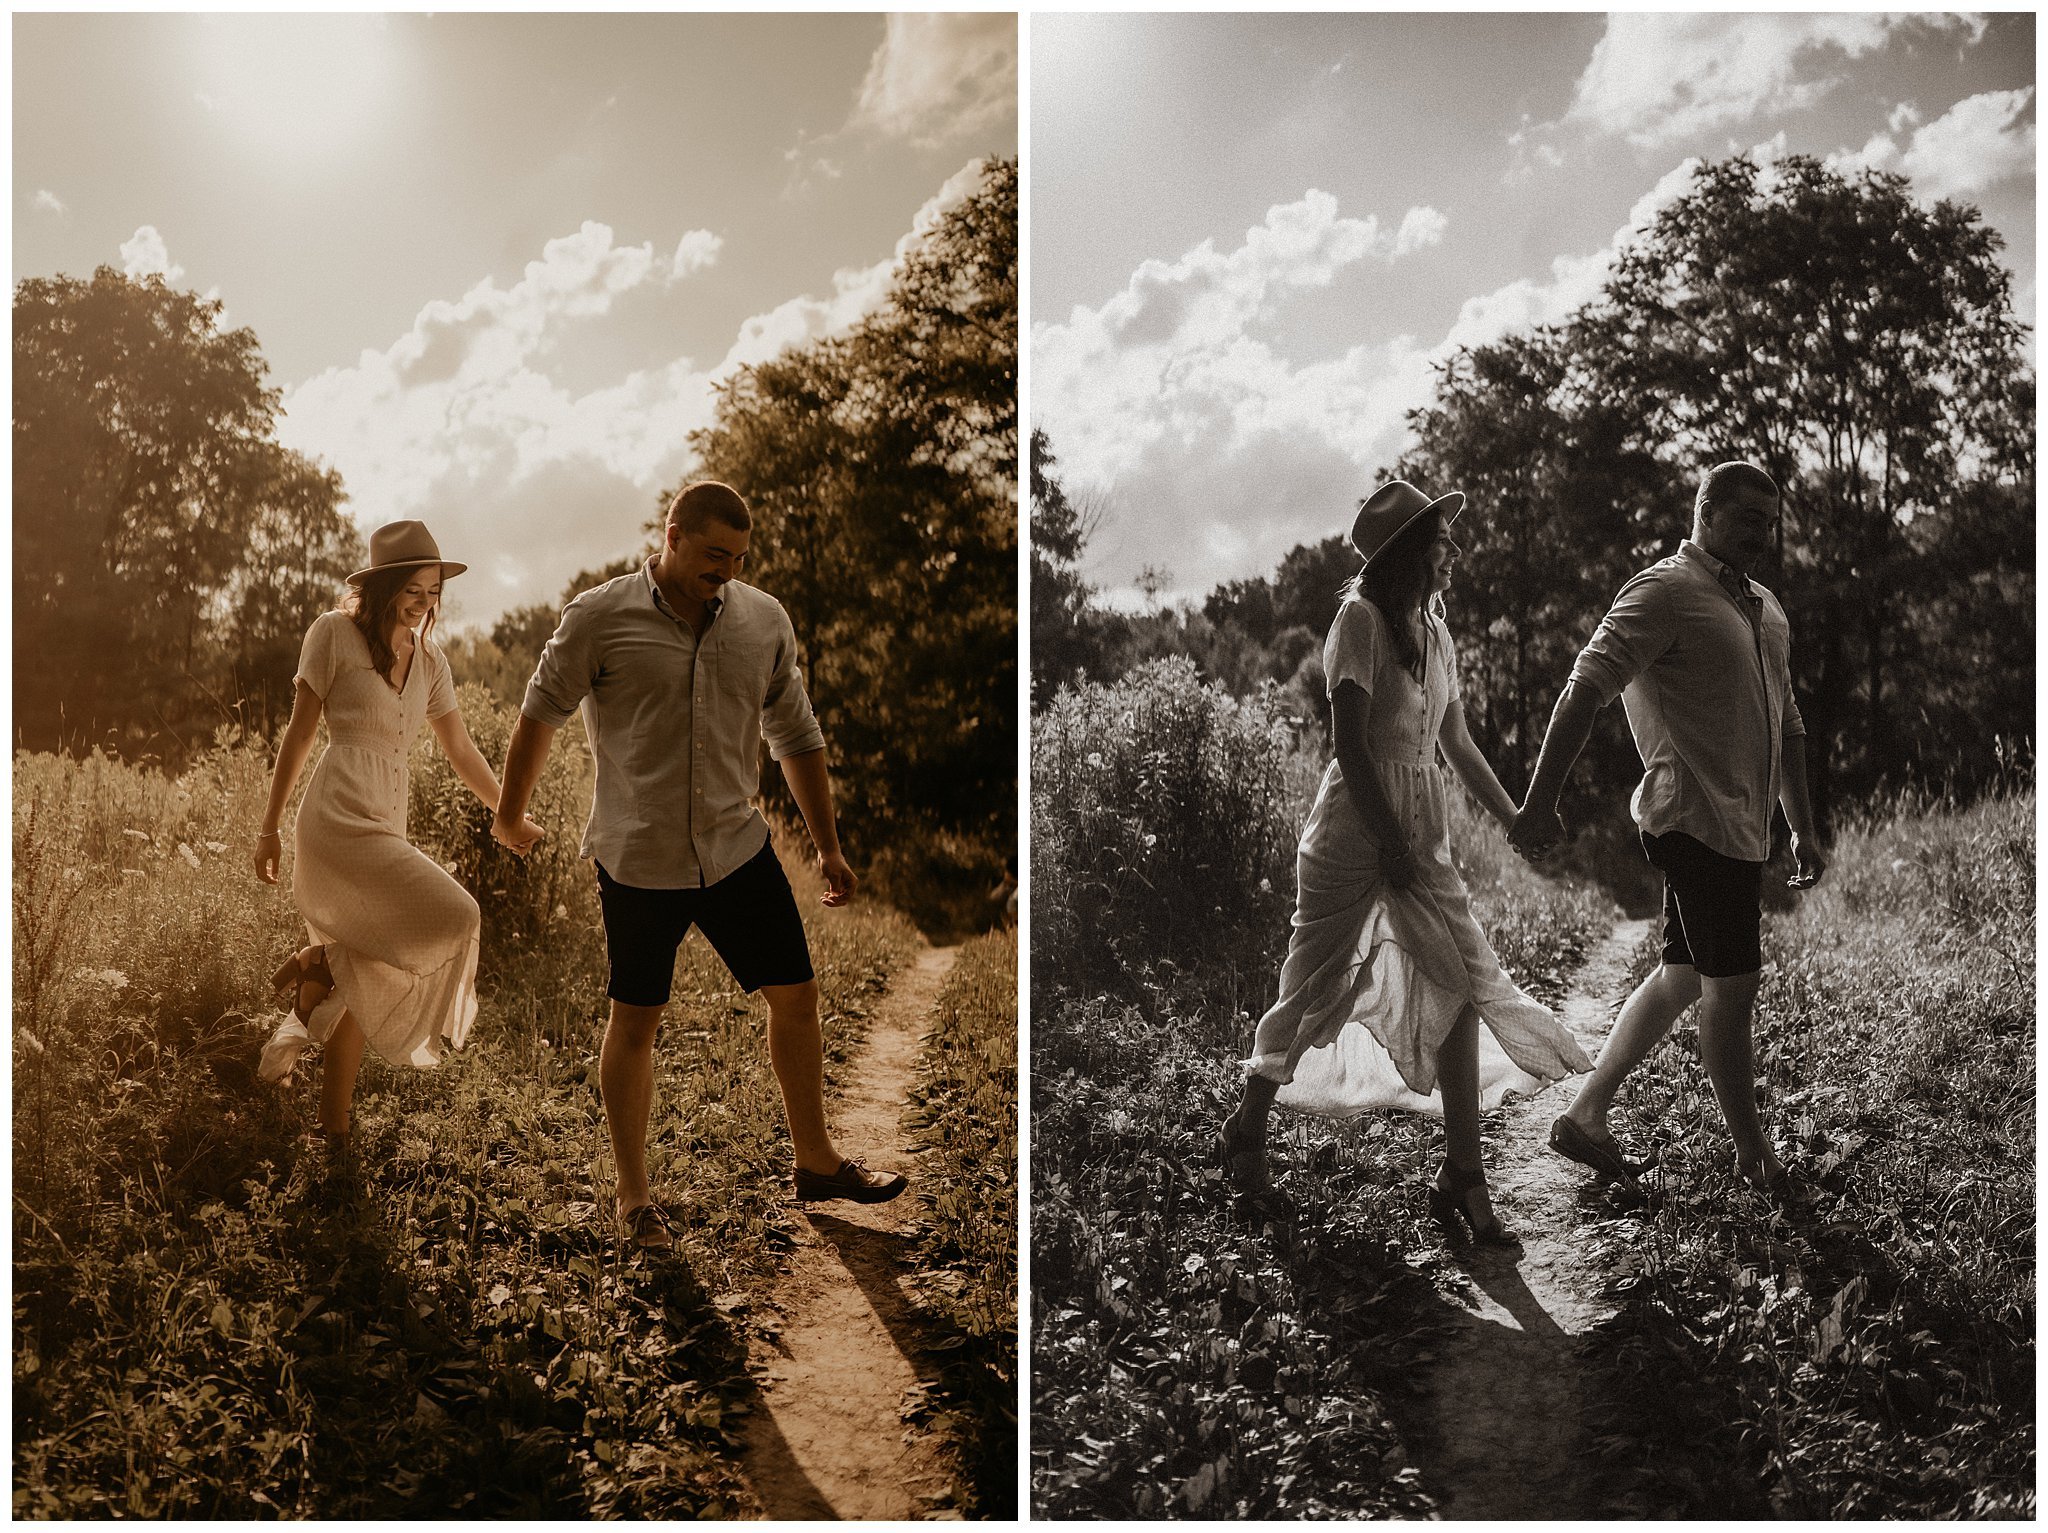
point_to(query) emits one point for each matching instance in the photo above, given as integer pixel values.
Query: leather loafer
(1574, 1143)
(852, 1180)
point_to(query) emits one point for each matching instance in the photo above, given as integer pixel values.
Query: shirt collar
(1725, 574)
(714, 605)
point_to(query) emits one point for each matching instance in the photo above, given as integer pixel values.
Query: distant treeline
(1858, 345)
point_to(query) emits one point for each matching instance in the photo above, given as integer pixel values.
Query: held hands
(1535, 832)
(1812, 863)
(269, 847)
(517, 837)
(839, 879)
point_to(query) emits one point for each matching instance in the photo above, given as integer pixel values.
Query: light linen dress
(401, 935)
(1375, 977)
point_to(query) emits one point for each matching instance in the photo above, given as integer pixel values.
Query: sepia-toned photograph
(483, 482)
(1531, 895)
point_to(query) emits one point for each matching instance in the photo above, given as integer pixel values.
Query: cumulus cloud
(1975, 144)
(144, 254)
(694, 252)
(937, 76)
(1207, 440)
(1655, 78)
(48, 201)
(463, 422)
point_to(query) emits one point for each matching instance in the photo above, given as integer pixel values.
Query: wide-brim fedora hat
(1386, 513)
(404, 546)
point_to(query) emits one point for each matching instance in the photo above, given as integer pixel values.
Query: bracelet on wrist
(268, 835)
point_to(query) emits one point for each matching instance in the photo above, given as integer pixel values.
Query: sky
(1251, 236)
(498, 263)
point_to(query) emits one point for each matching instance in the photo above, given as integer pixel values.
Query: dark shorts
(749, 917)
(1713, 911)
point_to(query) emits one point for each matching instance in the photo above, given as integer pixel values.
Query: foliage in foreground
(209, 1323)
(1873, 1354)
(964, 1113)
(1183, 1363)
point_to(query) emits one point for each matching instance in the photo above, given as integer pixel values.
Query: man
(681, 670)
(1701, 657)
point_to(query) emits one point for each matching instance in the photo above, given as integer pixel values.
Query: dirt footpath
(1507, 1388)
(828, 1438)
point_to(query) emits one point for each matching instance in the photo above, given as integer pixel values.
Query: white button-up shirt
(675, 720)
(1708, 691)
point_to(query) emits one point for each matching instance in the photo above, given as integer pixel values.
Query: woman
(1388, 977)
(392, 960)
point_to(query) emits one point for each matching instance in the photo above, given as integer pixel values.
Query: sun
(306, 89)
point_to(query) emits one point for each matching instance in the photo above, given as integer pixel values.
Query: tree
(152, 512)
(1060, 639)
(882, 465)
(1862, 348)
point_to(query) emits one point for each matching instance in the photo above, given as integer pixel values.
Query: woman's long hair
(369, 608)
(1397, 582)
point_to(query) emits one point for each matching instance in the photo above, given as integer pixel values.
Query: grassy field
(208, 1324)
(964, 1116)
(1871, 1354)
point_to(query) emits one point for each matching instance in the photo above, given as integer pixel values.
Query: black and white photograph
(483, 483)
(1532, 824)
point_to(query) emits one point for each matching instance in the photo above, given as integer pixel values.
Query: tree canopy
(168, 552)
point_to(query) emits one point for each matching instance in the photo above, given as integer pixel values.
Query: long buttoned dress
(401, 935)
(1374, 976)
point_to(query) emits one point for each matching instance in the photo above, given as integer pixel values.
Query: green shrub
(1163, 831)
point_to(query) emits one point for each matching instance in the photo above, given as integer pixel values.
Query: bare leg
(339, 1061)
(1457, 1079)
(1725, 1049)
(625, 1076)
(797, 1050)
(1646, 1017)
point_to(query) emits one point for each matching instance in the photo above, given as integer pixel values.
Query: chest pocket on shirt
(740, 668)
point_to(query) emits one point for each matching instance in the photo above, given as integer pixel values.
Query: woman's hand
(1399, 866)
(269, 848)
(518, 839)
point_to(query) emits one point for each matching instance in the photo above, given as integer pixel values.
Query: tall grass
(1872, 1354)
(964, 1114)
(209, 1323)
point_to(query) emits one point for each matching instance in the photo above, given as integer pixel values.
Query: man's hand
(839, 879)
(1812, 863)
(517, 836)
(1535, 830)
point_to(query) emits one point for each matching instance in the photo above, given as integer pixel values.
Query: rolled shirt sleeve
(1635, 632)
(787, 722)
(567, 668)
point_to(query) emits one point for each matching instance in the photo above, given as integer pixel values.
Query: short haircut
(1726, 479)
(697, 505)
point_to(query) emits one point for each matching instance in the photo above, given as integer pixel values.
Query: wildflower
(191, 857)
(31, 1040)
(1095, 758)
(215, 847)
(113, 979)
(136, 835)
(561, 912)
